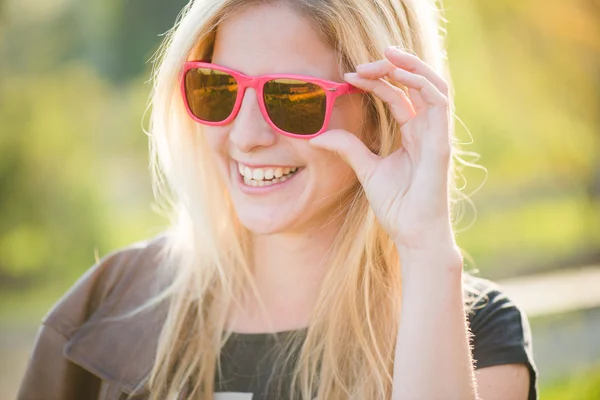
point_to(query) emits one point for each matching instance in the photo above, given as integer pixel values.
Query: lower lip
(264, 189)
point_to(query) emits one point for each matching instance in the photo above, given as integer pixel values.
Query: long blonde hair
(348, 350)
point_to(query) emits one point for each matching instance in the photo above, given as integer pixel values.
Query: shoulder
(115, 283)
(496, 321)
(103, 328)
(88, 343)
(500, 329)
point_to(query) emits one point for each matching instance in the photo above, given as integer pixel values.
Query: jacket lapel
(118, 350)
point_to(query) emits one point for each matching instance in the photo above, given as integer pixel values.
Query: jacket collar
(102, 338)
(118, 350)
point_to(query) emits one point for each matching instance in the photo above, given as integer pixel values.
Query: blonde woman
(304, 149)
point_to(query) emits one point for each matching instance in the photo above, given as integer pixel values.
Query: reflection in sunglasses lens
(210, 94)
(295, 106)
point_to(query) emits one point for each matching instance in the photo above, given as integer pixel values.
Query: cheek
(333, 176)
(217, 140)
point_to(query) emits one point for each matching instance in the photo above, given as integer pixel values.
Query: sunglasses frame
(332, 91)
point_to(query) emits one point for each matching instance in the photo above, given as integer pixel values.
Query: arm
(503, 382)
(433, 358)
(408, 191)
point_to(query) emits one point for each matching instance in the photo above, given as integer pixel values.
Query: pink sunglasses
(294, 105)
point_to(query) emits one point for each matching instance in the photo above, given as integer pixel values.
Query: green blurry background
(73, 154)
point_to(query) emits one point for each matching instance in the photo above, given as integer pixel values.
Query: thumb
(350, 148)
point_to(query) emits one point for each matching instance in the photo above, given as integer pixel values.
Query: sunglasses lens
(295, 106)
(210, 94)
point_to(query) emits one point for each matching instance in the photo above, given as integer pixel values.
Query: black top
(501, 335)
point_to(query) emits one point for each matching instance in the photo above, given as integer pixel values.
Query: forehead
(270, 39)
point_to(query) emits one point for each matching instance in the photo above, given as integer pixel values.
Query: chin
(269, 222)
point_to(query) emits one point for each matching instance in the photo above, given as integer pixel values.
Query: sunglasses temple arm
(354, 90)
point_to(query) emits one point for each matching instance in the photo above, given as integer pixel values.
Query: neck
(288, 269)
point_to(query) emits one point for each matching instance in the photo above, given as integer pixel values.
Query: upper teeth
(259, 174)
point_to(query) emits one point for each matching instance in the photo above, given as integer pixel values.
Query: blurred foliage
(73, 177)
(527, 78)
(581, 386)
(73, 155)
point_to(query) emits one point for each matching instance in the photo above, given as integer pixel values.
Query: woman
(311, 252)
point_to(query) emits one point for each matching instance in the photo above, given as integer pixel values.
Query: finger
(414, 64)
(376, 69)
(397, 100)
(397, 58)
(430, 94)
(351, 149)
(383, 68)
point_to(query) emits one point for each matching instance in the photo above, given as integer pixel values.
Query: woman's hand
(408, 190)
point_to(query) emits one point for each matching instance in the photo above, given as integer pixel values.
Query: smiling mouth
(266, 176)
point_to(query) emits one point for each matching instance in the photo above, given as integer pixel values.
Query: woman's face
(269, 40)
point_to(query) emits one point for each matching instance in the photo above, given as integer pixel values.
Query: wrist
(421, 239)
(444, 255)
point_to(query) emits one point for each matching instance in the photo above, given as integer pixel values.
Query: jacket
(85, 349)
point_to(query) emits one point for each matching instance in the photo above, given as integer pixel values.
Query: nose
(249, 129)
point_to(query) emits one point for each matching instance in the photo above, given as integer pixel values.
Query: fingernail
(350, 75)
(362, 67)
(396, 49)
